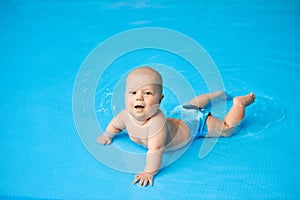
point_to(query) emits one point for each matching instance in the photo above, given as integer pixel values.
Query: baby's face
(143, 96)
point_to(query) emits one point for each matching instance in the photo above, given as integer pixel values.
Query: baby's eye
(148, 93)
(132, 92)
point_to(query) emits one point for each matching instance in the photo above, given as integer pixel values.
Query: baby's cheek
(128, 102)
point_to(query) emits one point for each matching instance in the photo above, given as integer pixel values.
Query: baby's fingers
(100, 139)
(144, 179)
(103, 140)
(150, 182)
(145, 182)
(137, 178)
(108, 142)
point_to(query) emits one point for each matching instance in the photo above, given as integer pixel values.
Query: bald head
(142, 76)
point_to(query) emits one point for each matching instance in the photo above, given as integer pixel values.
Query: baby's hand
(144, 178)
(103, 139)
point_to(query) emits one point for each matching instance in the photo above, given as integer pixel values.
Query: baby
(147, 125)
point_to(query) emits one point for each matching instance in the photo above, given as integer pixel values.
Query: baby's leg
(204, 99)
(217, 128)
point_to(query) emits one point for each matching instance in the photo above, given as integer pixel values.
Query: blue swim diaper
(194, 117)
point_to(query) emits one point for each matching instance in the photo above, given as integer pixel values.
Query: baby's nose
(139, 97)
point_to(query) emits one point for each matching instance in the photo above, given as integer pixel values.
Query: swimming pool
(254, 44)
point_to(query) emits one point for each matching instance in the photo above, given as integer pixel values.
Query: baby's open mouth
(138, 107)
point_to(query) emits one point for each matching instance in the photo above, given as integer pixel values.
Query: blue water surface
(255, 45)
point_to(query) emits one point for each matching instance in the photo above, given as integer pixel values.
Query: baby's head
(143, 92)
(143, 76)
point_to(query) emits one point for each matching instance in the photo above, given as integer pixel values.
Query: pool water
(254, 44)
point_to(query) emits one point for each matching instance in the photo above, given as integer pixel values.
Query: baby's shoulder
(158, 120)
(122, 116)
(159, 116)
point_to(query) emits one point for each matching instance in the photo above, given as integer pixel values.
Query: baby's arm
(156, 145)
(116, 125)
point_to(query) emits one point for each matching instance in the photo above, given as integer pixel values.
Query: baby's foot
(244, 100)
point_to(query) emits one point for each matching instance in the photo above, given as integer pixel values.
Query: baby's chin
(140, 117)
(143, 116)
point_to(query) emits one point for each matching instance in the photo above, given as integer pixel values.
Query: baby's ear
(161, 98)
